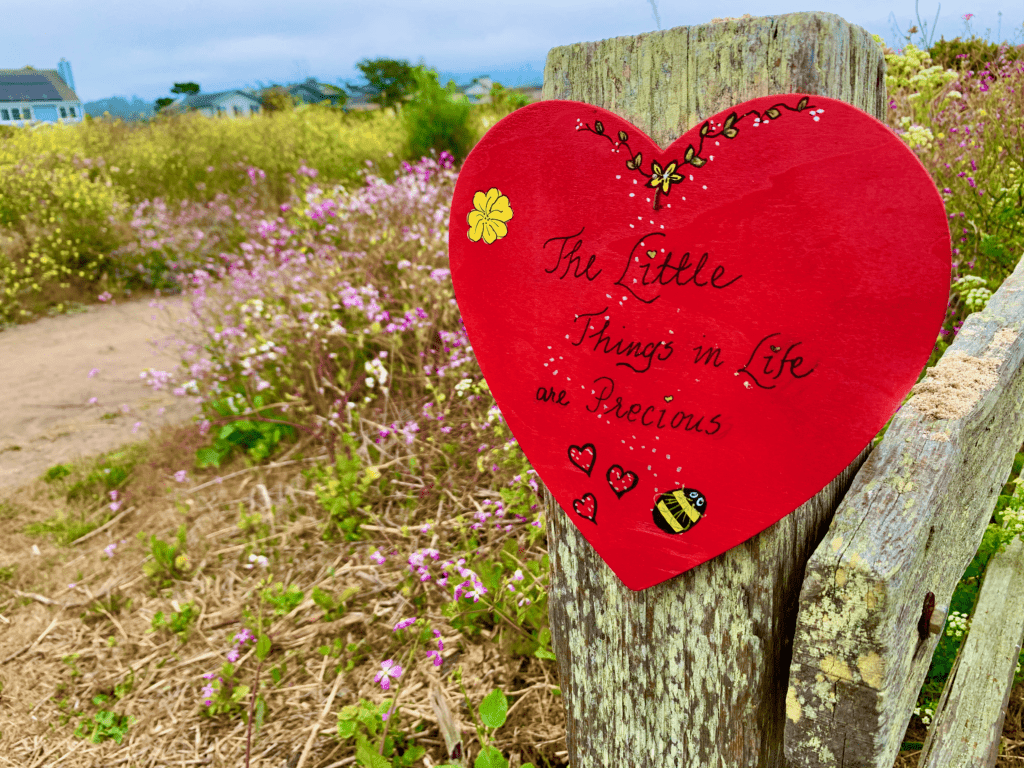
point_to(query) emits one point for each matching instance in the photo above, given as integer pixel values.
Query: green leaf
(261, 711)
(493, 709)
(413, 753)
(490, 757)
(208, 457)
(346, 729)
(263, 647)
(368, 757)
(544, 653)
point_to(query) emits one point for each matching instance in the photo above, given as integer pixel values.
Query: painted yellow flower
(487, 219)
(664, 178)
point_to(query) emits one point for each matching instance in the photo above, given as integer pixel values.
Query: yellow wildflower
(488, 217)
(664, 178)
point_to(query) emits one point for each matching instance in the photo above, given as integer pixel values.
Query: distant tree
(388, 81)
(277, 99)
(179, 88)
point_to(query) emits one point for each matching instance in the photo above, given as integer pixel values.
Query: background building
(30, 96)
(225, 103)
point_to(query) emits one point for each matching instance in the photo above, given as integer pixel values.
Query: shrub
(973, 54)
(435, 121)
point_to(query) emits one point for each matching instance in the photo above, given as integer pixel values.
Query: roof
(203, 100)
(28, 84)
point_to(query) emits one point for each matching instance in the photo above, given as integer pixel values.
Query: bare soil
(45, 387)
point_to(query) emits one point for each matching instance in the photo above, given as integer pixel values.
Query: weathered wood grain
(692, 672)
(667, 82)
(909, 525)
(968, 723)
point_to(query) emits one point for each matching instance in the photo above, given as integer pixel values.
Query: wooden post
(908, 528)
(968, 725)
(693, 672)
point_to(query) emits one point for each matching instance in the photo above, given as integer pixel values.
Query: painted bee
(679, 510)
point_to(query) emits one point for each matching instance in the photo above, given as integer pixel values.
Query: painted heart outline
(752, 302)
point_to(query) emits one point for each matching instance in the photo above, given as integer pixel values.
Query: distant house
(480, 91)
(312, 92)
(30, 96)
(223, 104)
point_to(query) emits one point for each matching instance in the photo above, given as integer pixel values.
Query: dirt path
(45, 387)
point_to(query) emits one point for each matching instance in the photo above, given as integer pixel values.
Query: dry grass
(60, 647)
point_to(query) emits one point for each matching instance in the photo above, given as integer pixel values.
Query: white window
(5, 114)
(72, 111)
(27, 113)
(16, 113)
(63, 112)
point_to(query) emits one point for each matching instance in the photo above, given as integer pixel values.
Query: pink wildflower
(389, 669)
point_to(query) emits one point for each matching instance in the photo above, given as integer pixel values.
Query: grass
(344, 561)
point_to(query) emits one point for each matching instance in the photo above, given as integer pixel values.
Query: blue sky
(130, 48)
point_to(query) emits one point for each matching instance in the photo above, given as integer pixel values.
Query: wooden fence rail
(734, 663)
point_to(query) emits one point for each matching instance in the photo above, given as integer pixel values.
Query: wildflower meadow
(344, 561)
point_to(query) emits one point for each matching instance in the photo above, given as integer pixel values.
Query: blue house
(30, 96)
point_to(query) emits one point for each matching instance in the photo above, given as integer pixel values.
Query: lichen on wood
(909, 525)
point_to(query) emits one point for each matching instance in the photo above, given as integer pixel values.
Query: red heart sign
(739, 313)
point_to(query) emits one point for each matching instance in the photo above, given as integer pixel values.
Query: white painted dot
(662, 226)
(632, 226)
(634, 181)
(648, 467)
(667, 456)
(545, 365)
(679, 469)
(705, 186)
(618, 177)
(712, 157)
(555, 373)
(716, 144)
(691, 177)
